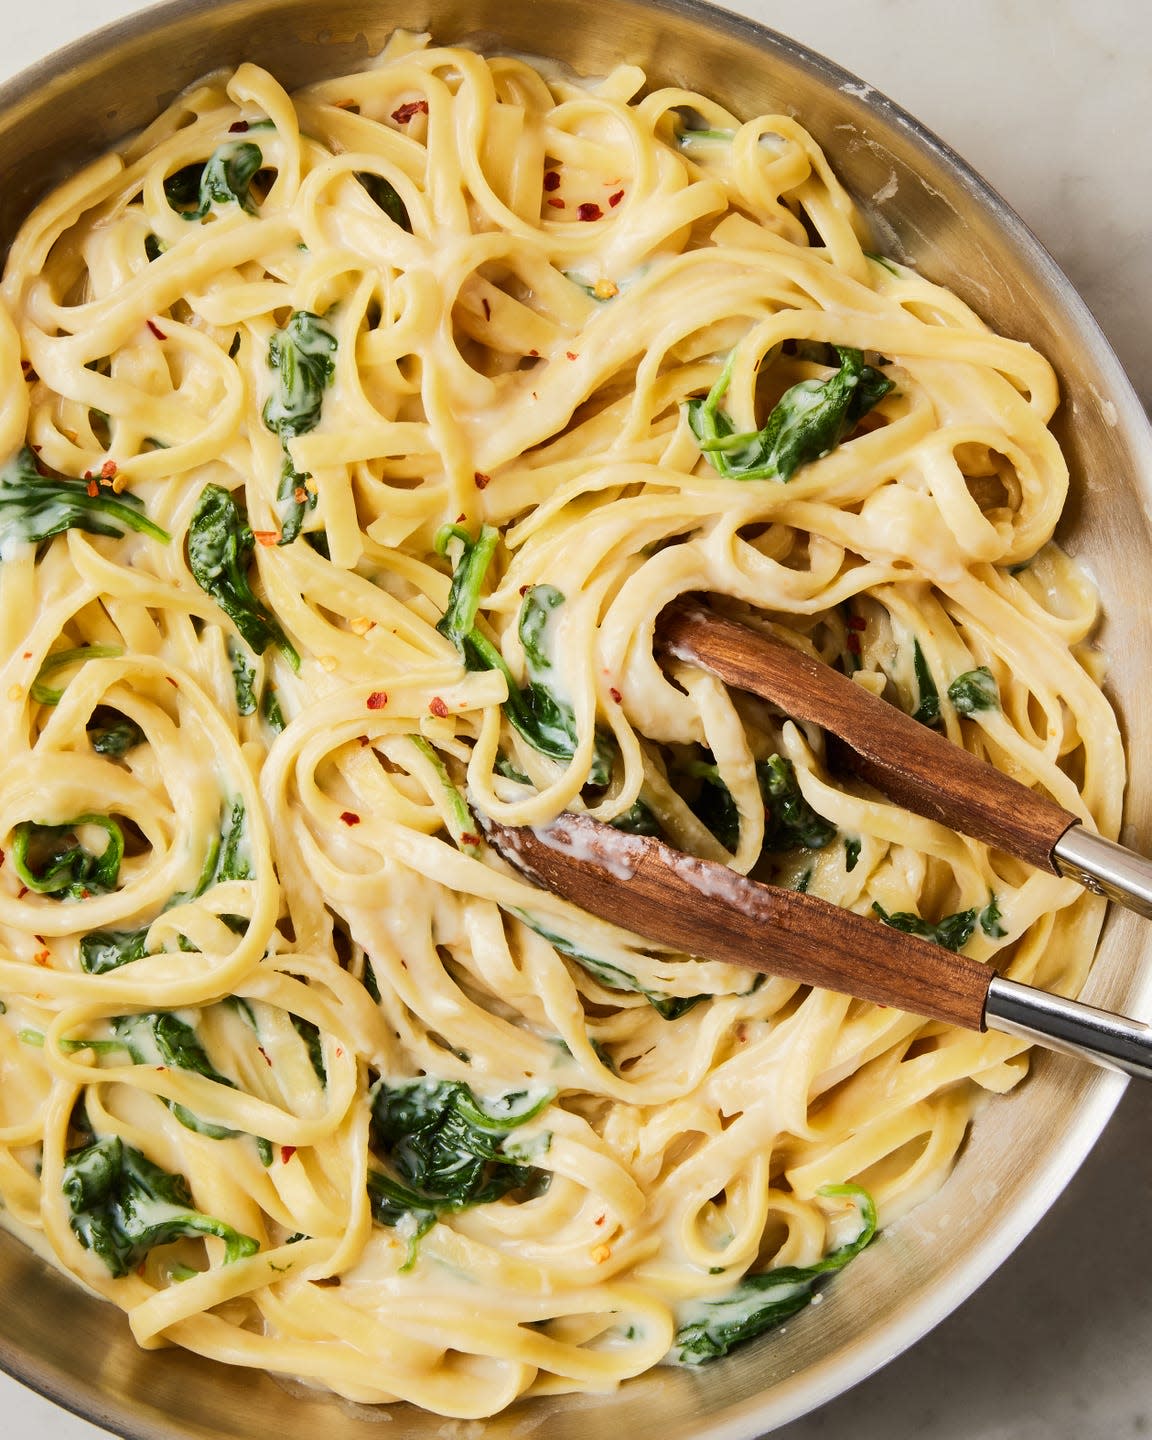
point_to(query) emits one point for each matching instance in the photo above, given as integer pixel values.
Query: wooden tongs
(705, 909)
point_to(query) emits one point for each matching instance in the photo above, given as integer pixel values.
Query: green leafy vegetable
(244, 678)
(928, 707)
(387, 197)
(51, 860)
(104, 950)
(153, 247)
(60, 660)
(461, 825)
(123, 1205)
(789, 821)
(953, 931)
(270, 709)
(225, 179)
(448, 1150)
(310, 1034)
(974, 690)
(761, 1302)
(545, 720)
(161, 1038)
(668, 1007)
(809, 419)
(219, 545)
(851, 853)
(990, 919)
(34, 507)
(638, 819)
(111, 733)
(301, 355)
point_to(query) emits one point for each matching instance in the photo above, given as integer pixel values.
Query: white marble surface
(1047, 100)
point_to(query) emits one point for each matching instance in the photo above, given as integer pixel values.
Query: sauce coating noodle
(456, 343)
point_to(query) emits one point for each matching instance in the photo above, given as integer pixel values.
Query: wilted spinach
(761, 1302)
(301, 355)
(225, 179)
(123, 1205)
(51, 860)
(808, 420)
(34, 507)
(974, 690)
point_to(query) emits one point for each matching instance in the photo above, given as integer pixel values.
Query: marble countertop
(1046, 101)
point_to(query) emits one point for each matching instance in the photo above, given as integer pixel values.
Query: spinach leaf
(104, 950)
(310, 1034)
(761, 1302)
(51, 860)
(668, 1007)
(161, 1038)
(111, 733)
(974, 690)
(809, 419)
(123, 1205)
(928, 708)
(34, 507)
(225, 179)
(638, 819)
(990, 919)
(448, 1150)
(270, 709)
(301, 355)
(387, 197)
(227, 859)
(461, 825)
(851, 853)
(60, 660)
(243, 677)
(545, 720)
(789, 821)
(953, 931)
(219, 544)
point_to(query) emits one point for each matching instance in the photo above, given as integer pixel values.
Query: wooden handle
(703, 909)
(920, 769)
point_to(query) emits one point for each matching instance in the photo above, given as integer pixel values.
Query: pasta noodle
(352, 443)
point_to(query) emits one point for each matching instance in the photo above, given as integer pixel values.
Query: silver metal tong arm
(1070, 1027)
(1105, 868)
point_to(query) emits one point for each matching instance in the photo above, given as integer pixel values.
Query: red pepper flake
(614, 200)
(571, 354)
(174, 683)
(286, 1153)
(85, 894)
(27, 654)
(266, 537)
(437, 707)
(534, 353)
(589, 211)
(600, 1219)
(37, 448)
(377, 700)
(482, 480)
(339, 1052)
(160, 335)
(267, 1057)
(459, 521)
(857, 622)
(854, 644)
(486, 306)
(108, 470)
(524, 590)
(300, 495)
(551, 180)
(555, 202)
(364, 741)
(93, 489)
(403, 113)
(87, 474)
(615, 694)
(349, 817)
(470, 839)
(42, 957)
(22, 892)
(238, 127)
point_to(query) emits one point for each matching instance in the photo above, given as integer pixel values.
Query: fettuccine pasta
(352, 442)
